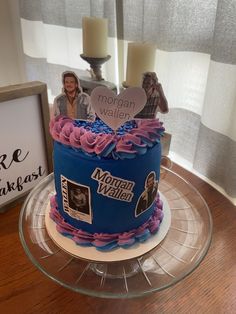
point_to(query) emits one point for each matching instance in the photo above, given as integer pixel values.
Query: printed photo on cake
(156, 100)
(73, 102)
(76, 200)
(148, 196)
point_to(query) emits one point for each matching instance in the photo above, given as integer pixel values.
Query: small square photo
(76, 200)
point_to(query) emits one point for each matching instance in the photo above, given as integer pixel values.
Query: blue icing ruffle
(107, 247)
(68, 235)
(108, 150)
(140, 149)
(84, 244)
(124, 155)
(144, 236)
(149, 143)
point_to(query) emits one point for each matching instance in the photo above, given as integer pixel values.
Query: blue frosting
(98, 126)
(109, 215)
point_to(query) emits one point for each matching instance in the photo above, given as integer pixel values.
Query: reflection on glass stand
(180, 252)
(116, 270)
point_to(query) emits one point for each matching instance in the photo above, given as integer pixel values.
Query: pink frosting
(56, 125)
(124, 146)
(64, 136)
(88, 141)
(104, 140)
(145, 134)
(105, 241)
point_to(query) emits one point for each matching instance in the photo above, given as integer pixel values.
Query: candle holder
(125, 85)
(95, 65)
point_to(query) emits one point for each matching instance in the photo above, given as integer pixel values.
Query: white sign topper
(114, 109)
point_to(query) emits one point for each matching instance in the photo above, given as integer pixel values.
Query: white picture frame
(25, 143)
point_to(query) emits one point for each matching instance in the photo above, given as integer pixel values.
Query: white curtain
(195, 62)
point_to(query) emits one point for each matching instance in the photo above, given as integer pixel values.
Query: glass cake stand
(183, 248)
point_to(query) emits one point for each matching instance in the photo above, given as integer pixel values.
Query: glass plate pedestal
(181, 251)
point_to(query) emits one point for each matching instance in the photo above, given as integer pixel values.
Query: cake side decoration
(116, 180)
(148, 196)
(76, 200)
(113, 187)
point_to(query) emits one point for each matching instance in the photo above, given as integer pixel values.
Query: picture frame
(25, 142)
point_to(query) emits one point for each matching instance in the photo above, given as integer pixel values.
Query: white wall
(11, 52)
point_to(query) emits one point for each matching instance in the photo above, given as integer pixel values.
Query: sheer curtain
(195, 62)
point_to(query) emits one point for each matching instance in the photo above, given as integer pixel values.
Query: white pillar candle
(140, 59)
(95, 32)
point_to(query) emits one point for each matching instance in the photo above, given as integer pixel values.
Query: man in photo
(73, 102)
(156, 100)
(147, 198)
(78, 200)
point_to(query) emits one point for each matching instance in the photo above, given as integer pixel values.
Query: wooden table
(211, 288)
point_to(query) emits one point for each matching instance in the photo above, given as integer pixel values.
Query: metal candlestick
(124, 84)
(95, 65)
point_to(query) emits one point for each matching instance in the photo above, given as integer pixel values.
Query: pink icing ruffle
(105, 241)
(146, 134)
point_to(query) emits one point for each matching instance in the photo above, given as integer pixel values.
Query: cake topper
(156, 100)
(73, 102)
(114, 109)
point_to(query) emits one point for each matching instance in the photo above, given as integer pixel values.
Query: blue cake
(106, 183)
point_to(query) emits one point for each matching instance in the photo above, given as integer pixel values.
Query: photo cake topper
(73, 102)
(114, 109)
